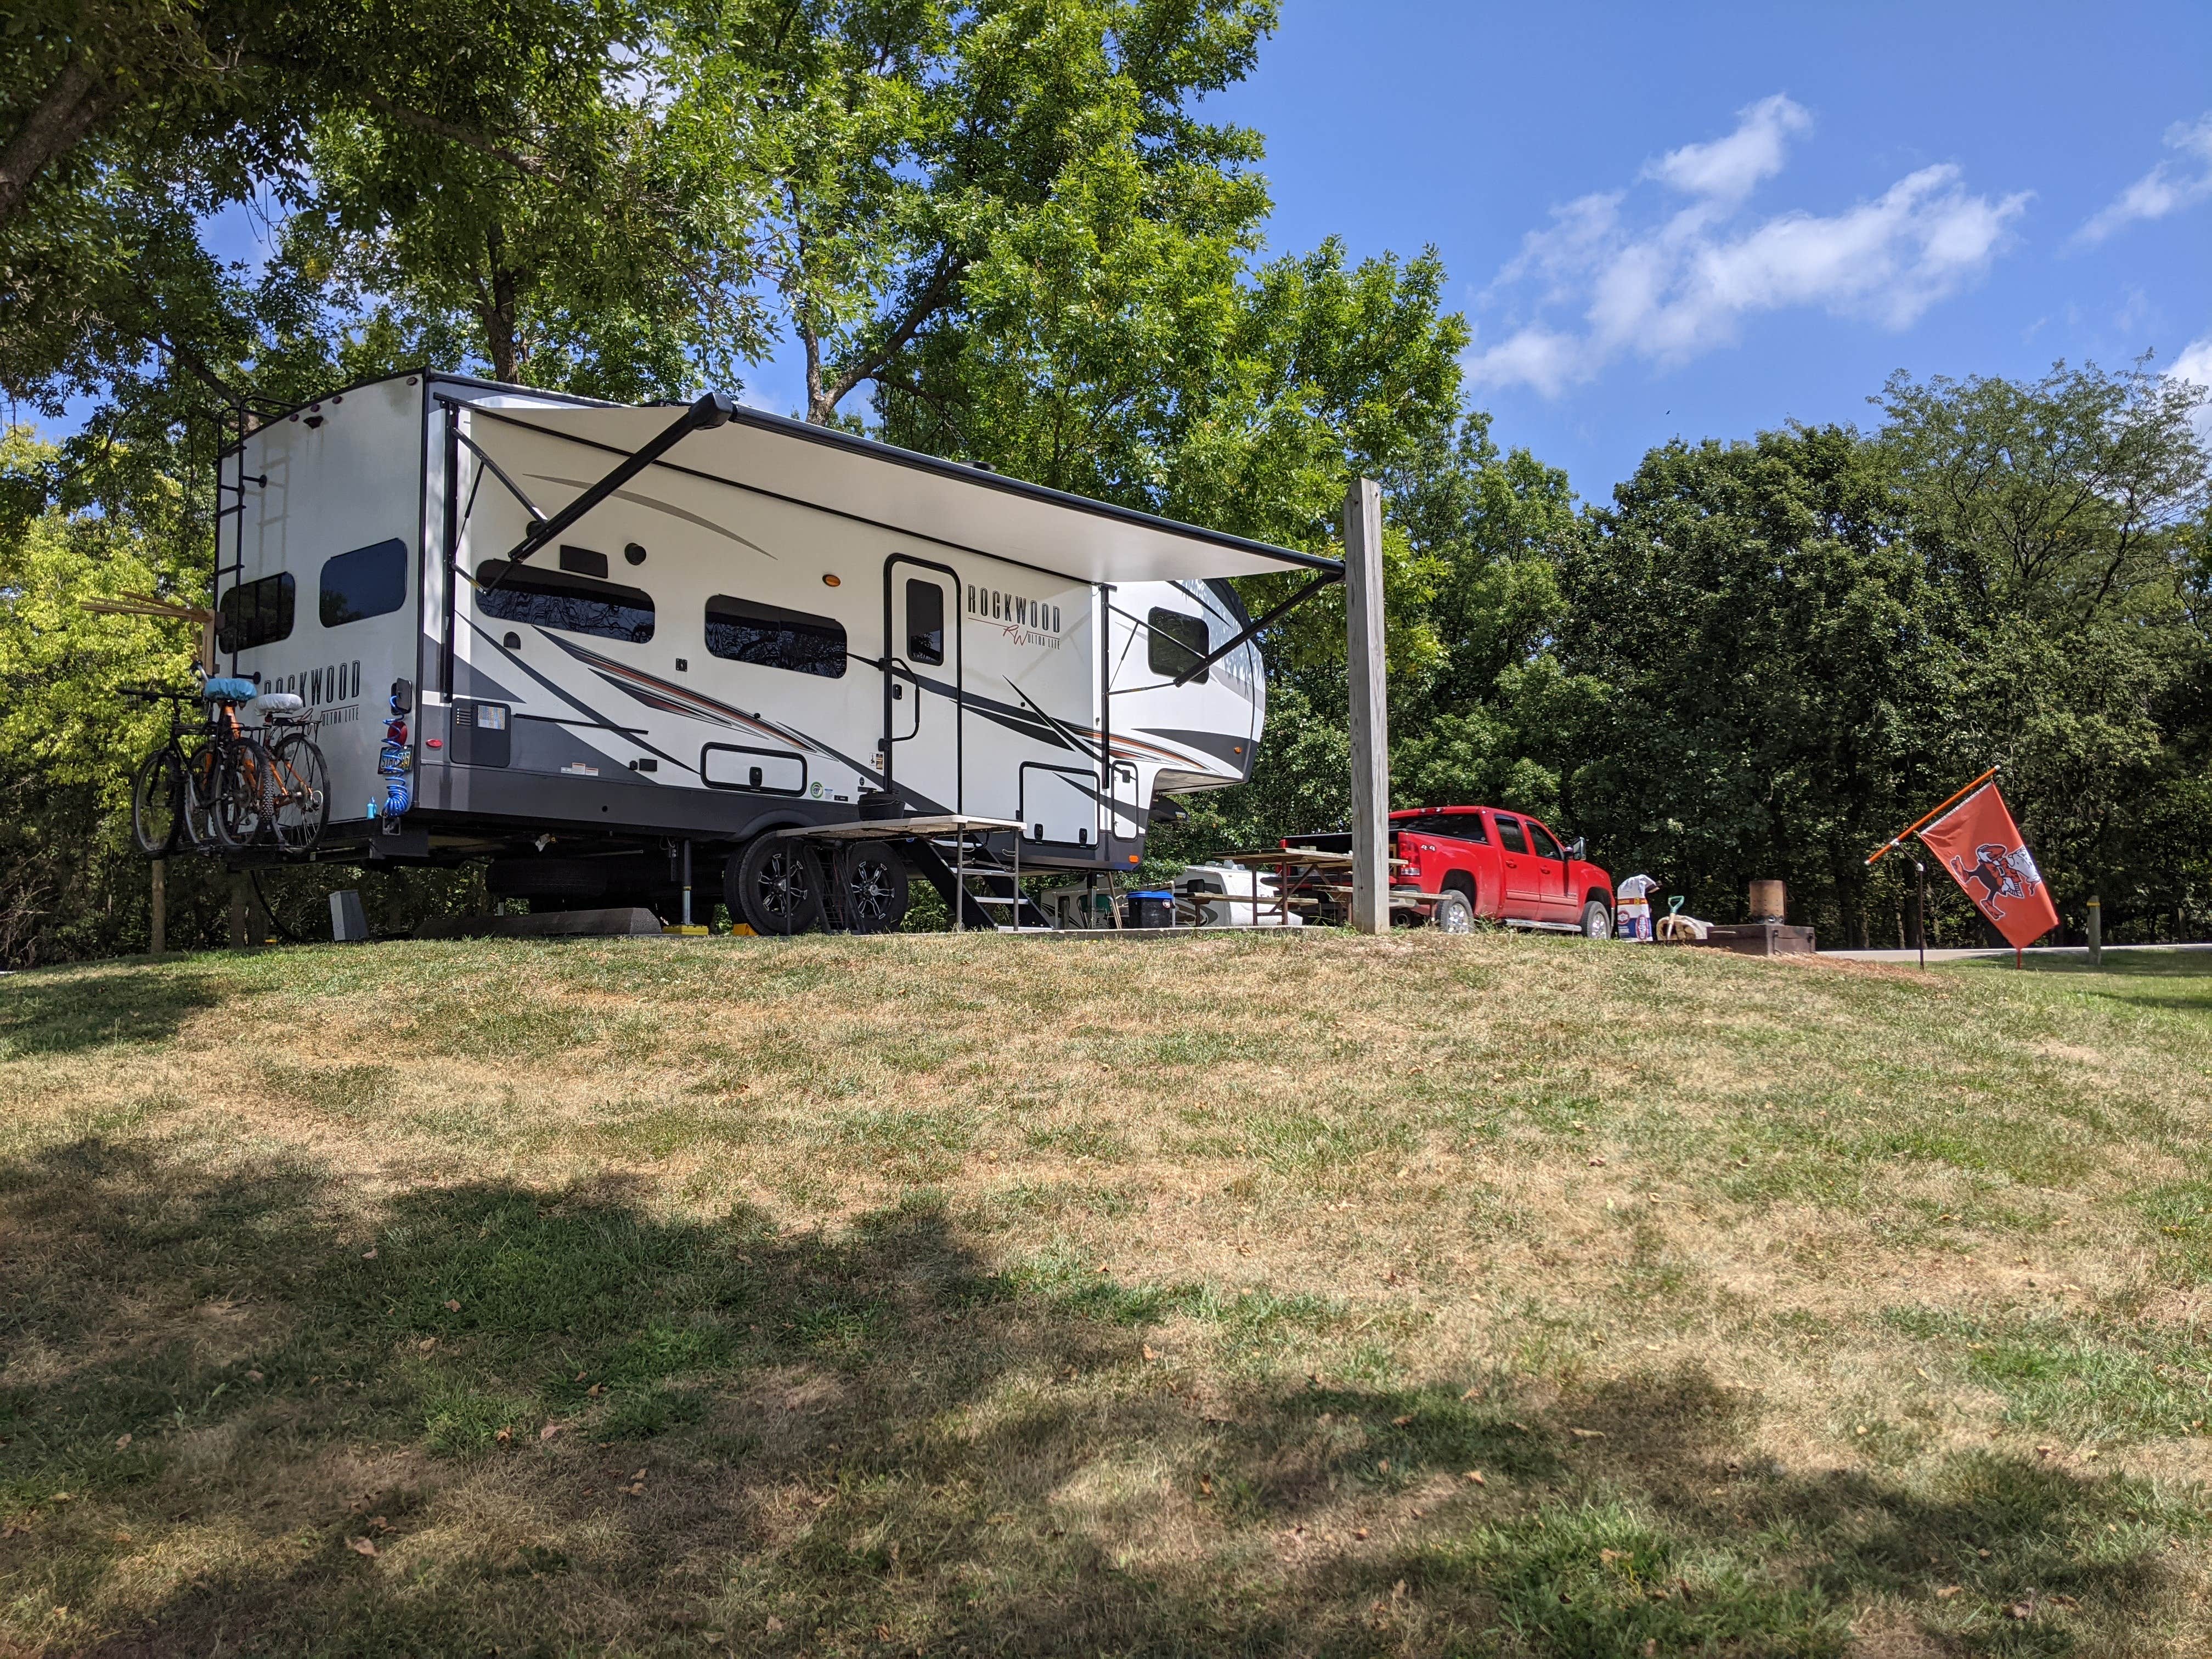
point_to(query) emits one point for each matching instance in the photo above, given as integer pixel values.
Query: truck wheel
(871, 887)
(1452, 915)
(776, 887)
(1597, 920)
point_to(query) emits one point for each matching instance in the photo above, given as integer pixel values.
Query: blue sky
(1706, 220)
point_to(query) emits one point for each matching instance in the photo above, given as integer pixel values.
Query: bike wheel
(302, 806)
(158, 801)
(202, 769)
(246, 795)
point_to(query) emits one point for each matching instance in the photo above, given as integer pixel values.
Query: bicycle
(295, 785)
(163, 798)
(234, 788)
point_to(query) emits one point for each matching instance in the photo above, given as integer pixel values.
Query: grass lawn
(973, 1296)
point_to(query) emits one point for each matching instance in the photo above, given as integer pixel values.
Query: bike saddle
(222, 688)
(277, 704)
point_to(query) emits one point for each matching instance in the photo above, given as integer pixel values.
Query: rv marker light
(828, 581)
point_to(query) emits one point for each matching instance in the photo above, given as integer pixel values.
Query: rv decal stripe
(1006, 714)
(663, 507)
(656, 693)
(597, 719)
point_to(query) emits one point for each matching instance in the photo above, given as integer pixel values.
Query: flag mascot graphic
(1980, 845)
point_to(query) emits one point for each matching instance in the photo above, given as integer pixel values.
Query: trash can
(1151, 909)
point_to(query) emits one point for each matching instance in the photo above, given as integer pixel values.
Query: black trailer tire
(563, 879)
(245, 795)
(1597, 920)
(302, 809)
(871, 888)
(159, 804)
(775, 887)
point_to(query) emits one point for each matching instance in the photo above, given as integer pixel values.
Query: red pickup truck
(1504, 867)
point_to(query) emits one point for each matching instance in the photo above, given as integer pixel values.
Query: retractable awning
(877, 484)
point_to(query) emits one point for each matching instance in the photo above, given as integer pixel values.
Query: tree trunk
(495, 307)
(819, 406)
(63, 113)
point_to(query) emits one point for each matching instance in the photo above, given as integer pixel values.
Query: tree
(2065, 517)
(888, 147)
(122, 126)
(616, 266)
(2059, 499)
(1757, 671)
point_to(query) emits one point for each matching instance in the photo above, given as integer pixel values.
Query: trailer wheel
(775, 886)
(871, 887)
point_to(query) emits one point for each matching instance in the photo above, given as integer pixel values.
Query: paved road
(2081, 950)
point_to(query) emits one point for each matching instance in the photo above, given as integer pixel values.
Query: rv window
(555, 599)
(369, 581)
(745, 630)
(1177, 641)
(255, 613)
(925, 623)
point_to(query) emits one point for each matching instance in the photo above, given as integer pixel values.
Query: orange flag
(1980, 845)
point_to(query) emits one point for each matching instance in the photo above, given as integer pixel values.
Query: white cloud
(2195, 364)
(1730, 168)
(1679, 285)
(2166, 188)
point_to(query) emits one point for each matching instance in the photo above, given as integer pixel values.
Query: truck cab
(1507, 867)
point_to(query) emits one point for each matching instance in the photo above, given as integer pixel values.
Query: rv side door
(923, 727)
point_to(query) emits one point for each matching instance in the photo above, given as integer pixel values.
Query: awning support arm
(536, 516)
(712, 410)
(1295, 600)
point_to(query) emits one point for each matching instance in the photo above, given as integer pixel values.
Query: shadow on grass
(282, 1430)
(46, 1014)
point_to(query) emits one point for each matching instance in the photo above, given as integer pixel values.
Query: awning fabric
(897, 490)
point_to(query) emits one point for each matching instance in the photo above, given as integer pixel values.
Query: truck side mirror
(1580, 849)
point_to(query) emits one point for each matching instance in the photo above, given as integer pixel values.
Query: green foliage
(1758, 669)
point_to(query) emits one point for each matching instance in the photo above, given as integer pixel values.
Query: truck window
(1175, 642)
(1540, 840)
(255, 613)
(1459, 826)
(559, 599)
(745, 630)
(925, 623)
(369, 581)
(1509, 834)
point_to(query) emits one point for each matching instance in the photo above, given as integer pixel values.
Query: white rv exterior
(767, 624)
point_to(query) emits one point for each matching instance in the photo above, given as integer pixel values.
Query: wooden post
(158, 920)
(1371, 731)
(2096, 931)
(241, 911)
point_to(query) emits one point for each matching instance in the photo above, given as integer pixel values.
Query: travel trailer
(614, 650)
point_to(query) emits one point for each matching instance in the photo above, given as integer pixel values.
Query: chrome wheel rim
(870, 894)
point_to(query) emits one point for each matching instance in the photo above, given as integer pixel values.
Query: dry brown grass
(1036, 1295)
